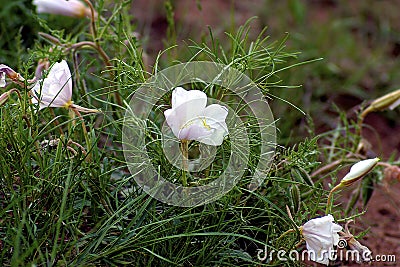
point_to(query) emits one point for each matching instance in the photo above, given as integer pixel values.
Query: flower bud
(358, 170)
(391, 101)
(71, 8)
(4, 98)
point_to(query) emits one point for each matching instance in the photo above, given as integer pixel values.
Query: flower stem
(92, 20)
(285, 234)
(105, 58)
(330, 198)
(185, 153)
(85, 133)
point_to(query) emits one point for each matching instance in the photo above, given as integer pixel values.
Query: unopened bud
(358, 170)
(83, 109)
(4, 98)
(71, 8)
(391, 101)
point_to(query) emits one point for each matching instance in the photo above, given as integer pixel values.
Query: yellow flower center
(68, 104)
(205, 124)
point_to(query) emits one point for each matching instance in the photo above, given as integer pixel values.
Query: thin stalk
(185, 164)
(330, 198)
(85, 133)
(106, 60)
(92, 20)
(285, 234)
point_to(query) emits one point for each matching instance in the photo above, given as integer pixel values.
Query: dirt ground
(382, 217)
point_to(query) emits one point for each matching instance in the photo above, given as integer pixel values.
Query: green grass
(75, 203)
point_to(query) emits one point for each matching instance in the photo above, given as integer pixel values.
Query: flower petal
(321, 234)
(217, 112)
(181, 96)
(2, 79)
(194, 132)
(190, 119)
(181, 116)
(56, 89)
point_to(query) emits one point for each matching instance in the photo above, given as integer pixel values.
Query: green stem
(330, 198)
(185, 155)
(285, 234)
(85, 133)
(105, 58)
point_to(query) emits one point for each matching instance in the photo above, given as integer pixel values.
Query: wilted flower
(363, 253)
(6, 71)
(358, 170)
(71, 8)
(321, 234)
(190, 119)
(56, 89)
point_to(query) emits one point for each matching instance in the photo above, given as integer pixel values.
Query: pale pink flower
(190, 119)
(321, 234)
(56, 89)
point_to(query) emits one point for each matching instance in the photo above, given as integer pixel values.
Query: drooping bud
(71, 8)
(358, 170)
(4, 98)
(391, 101)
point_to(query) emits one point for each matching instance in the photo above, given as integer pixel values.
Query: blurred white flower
(358, 170)
(321, 234)
(56, 89)
(71, 8)
(2, 79)
(190, 119)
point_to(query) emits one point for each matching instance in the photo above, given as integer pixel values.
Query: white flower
(190, 119)
(3, 79)
(358, 170)
(71, 8)
(321, 234)
(56, 89)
